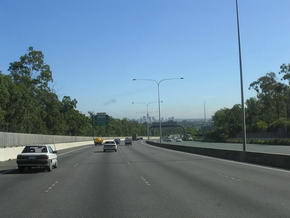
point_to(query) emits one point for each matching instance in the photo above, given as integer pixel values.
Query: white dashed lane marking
(51, 187)
(145, 181)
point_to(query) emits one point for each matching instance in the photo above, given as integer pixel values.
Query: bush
(279, 125)
(261, 126)
(217, 135)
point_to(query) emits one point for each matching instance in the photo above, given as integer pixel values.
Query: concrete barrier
(273, 160)
(12, 152)
(10, 139)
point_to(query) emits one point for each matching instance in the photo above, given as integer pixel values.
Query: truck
(98, 140)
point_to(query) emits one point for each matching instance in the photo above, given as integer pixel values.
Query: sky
(96, 47)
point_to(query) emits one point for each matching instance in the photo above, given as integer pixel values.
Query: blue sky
(95, 48)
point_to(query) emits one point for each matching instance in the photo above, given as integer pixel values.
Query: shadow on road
(26, 171)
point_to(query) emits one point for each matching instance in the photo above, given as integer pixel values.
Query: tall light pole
(157, 82)
(147, 115)
(241, 78)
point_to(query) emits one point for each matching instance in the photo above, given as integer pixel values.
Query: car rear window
(35, 149)
(109, 142)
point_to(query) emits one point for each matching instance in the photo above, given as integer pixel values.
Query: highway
(272, 149)
(144, 181)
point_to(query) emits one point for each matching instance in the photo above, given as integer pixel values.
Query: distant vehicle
(140, 138)
(118, 141)
(168, 139)
(110, 145)
(178, 140)
(128, 141)
(187, 137)
(41, 156)
(98, 141)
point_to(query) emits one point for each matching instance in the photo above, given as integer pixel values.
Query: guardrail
(273, 160)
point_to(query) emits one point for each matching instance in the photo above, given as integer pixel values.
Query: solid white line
(224, 160)
(71, 151)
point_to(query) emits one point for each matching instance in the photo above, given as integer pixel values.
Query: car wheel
(55, 165)
(104, 150)
(49, 167)
(115, 150)
(21, 169)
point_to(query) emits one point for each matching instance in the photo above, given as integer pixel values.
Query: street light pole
(147, 122)
(160, 126)
(241, 79)
(158, 87)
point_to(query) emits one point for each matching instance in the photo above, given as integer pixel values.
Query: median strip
(265, 159)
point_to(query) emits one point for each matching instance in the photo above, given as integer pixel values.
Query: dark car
(128, 141)
(117, 141)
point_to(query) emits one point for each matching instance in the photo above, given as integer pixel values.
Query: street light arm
(158, 86)
(152, 80)
(160, 81)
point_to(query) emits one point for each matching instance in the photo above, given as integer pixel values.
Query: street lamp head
(181, 78)
(134, 79)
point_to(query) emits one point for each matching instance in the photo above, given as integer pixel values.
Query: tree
(271, 95)
(31, 70)
(28, 105)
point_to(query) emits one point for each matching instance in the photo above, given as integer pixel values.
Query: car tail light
(45, 157)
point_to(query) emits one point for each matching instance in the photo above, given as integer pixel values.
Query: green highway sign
(101, 119)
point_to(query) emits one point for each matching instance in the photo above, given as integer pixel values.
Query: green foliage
(191, 131)
(227, 122)
(279, 124)
(28, 105)
(268, 111)
(217, 134)
(261, 126)
(120, 127)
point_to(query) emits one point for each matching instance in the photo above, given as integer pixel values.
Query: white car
(178, 140)
(42, 156)
(110, 145)
(168, 139)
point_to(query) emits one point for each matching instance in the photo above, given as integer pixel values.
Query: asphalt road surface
(144, 181)
(272, 149)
